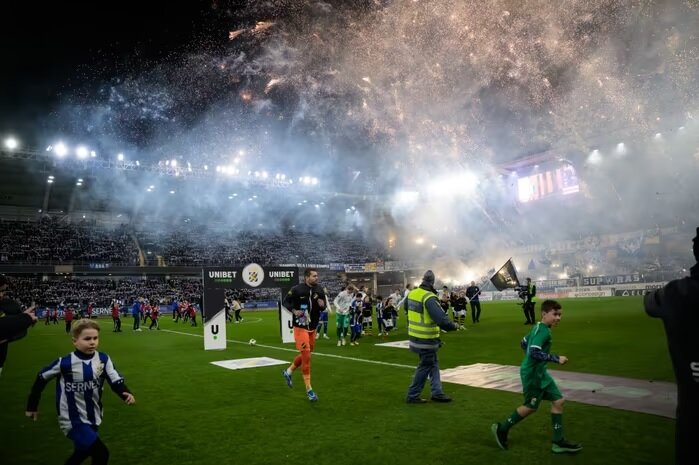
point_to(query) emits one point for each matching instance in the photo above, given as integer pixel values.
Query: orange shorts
(305, 339)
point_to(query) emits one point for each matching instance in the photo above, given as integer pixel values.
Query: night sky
(470, 79)
(57, 50)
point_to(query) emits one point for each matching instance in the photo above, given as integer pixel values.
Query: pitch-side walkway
(654, 397)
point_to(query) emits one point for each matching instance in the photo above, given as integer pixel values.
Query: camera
(522, 292)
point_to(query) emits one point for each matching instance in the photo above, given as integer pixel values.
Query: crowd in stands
(54, 241)
(101, 292)
(644, 251)
(188, 248)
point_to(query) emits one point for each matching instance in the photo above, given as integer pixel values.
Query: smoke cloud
(382, 98)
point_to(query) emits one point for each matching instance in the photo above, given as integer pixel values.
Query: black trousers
(528, 308)
(685, 424)
(475, 311)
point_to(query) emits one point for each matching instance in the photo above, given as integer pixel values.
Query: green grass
(191, 412)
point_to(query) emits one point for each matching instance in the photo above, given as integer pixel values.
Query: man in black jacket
(305, 301)
(13, 321)
(472, 293)
(677, 304)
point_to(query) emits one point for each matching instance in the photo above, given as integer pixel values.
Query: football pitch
(190, 411)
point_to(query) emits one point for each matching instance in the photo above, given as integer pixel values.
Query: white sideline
(375, 362)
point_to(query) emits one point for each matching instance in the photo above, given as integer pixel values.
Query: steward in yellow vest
(425, 318)
(529, 303)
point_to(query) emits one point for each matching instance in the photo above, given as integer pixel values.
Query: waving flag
(506, 277)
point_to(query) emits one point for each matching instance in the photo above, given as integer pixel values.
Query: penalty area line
(320, 354)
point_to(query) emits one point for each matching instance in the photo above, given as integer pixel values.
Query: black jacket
(305, 297)
(677, 304)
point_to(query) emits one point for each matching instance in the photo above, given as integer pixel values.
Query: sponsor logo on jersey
(82, 386)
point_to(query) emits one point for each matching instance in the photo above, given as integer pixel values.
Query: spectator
(13, 321)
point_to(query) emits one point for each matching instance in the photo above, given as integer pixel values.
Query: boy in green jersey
(537, 384)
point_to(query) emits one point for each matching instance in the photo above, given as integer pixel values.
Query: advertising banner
(612, 279)
(591, 293)
(354, 268)
(219, 279)
(630, 292)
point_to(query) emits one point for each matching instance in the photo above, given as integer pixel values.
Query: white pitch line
(375, 362)
(253, 319)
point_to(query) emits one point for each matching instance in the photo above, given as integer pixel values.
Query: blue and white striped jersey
(78, 388)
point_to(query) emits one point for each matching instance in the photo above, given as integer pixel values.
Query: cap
(428, 278)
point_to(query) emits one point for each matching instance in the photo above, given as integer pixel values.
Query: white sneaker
(343, 341)
(339, 343)
(325, 336)
(317, 336)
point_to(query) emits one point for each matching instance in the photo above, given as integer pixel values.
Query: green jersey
(537, 345)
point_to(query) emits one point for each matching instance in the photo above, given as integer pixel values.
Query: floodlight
(60, 149)
(11, 143)
(81, 152)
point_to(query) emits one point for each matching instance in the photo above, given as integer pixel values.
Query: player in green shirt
(537, 384)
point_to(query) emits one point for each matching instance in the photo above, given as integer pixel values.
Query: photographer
(13, 321)
(528, 293)
(676, 305)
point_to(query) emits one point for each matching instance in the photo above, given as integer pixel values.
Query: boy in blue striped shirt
(80, 379)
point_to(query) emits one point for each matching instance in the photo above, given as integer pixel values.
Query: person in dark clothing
(459, 303)
(14, 321)
(677, 304)
(472, 293)
(305, 301)
(529, 303)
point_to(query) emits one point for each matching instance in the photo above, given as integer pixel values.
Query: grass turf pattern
(189, 411)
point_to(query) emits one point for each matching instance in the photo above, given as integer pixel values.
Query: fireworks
(469, 80)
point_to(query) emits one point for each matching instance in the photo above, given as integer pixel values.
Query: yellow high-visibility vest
(420, 324)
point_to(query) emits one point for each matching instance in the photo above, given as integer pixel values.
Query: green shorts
(343, 321)
(540, 389)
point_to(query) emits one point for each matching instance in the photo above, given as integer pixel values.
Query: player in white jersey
(81, 376)
(342, 303)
